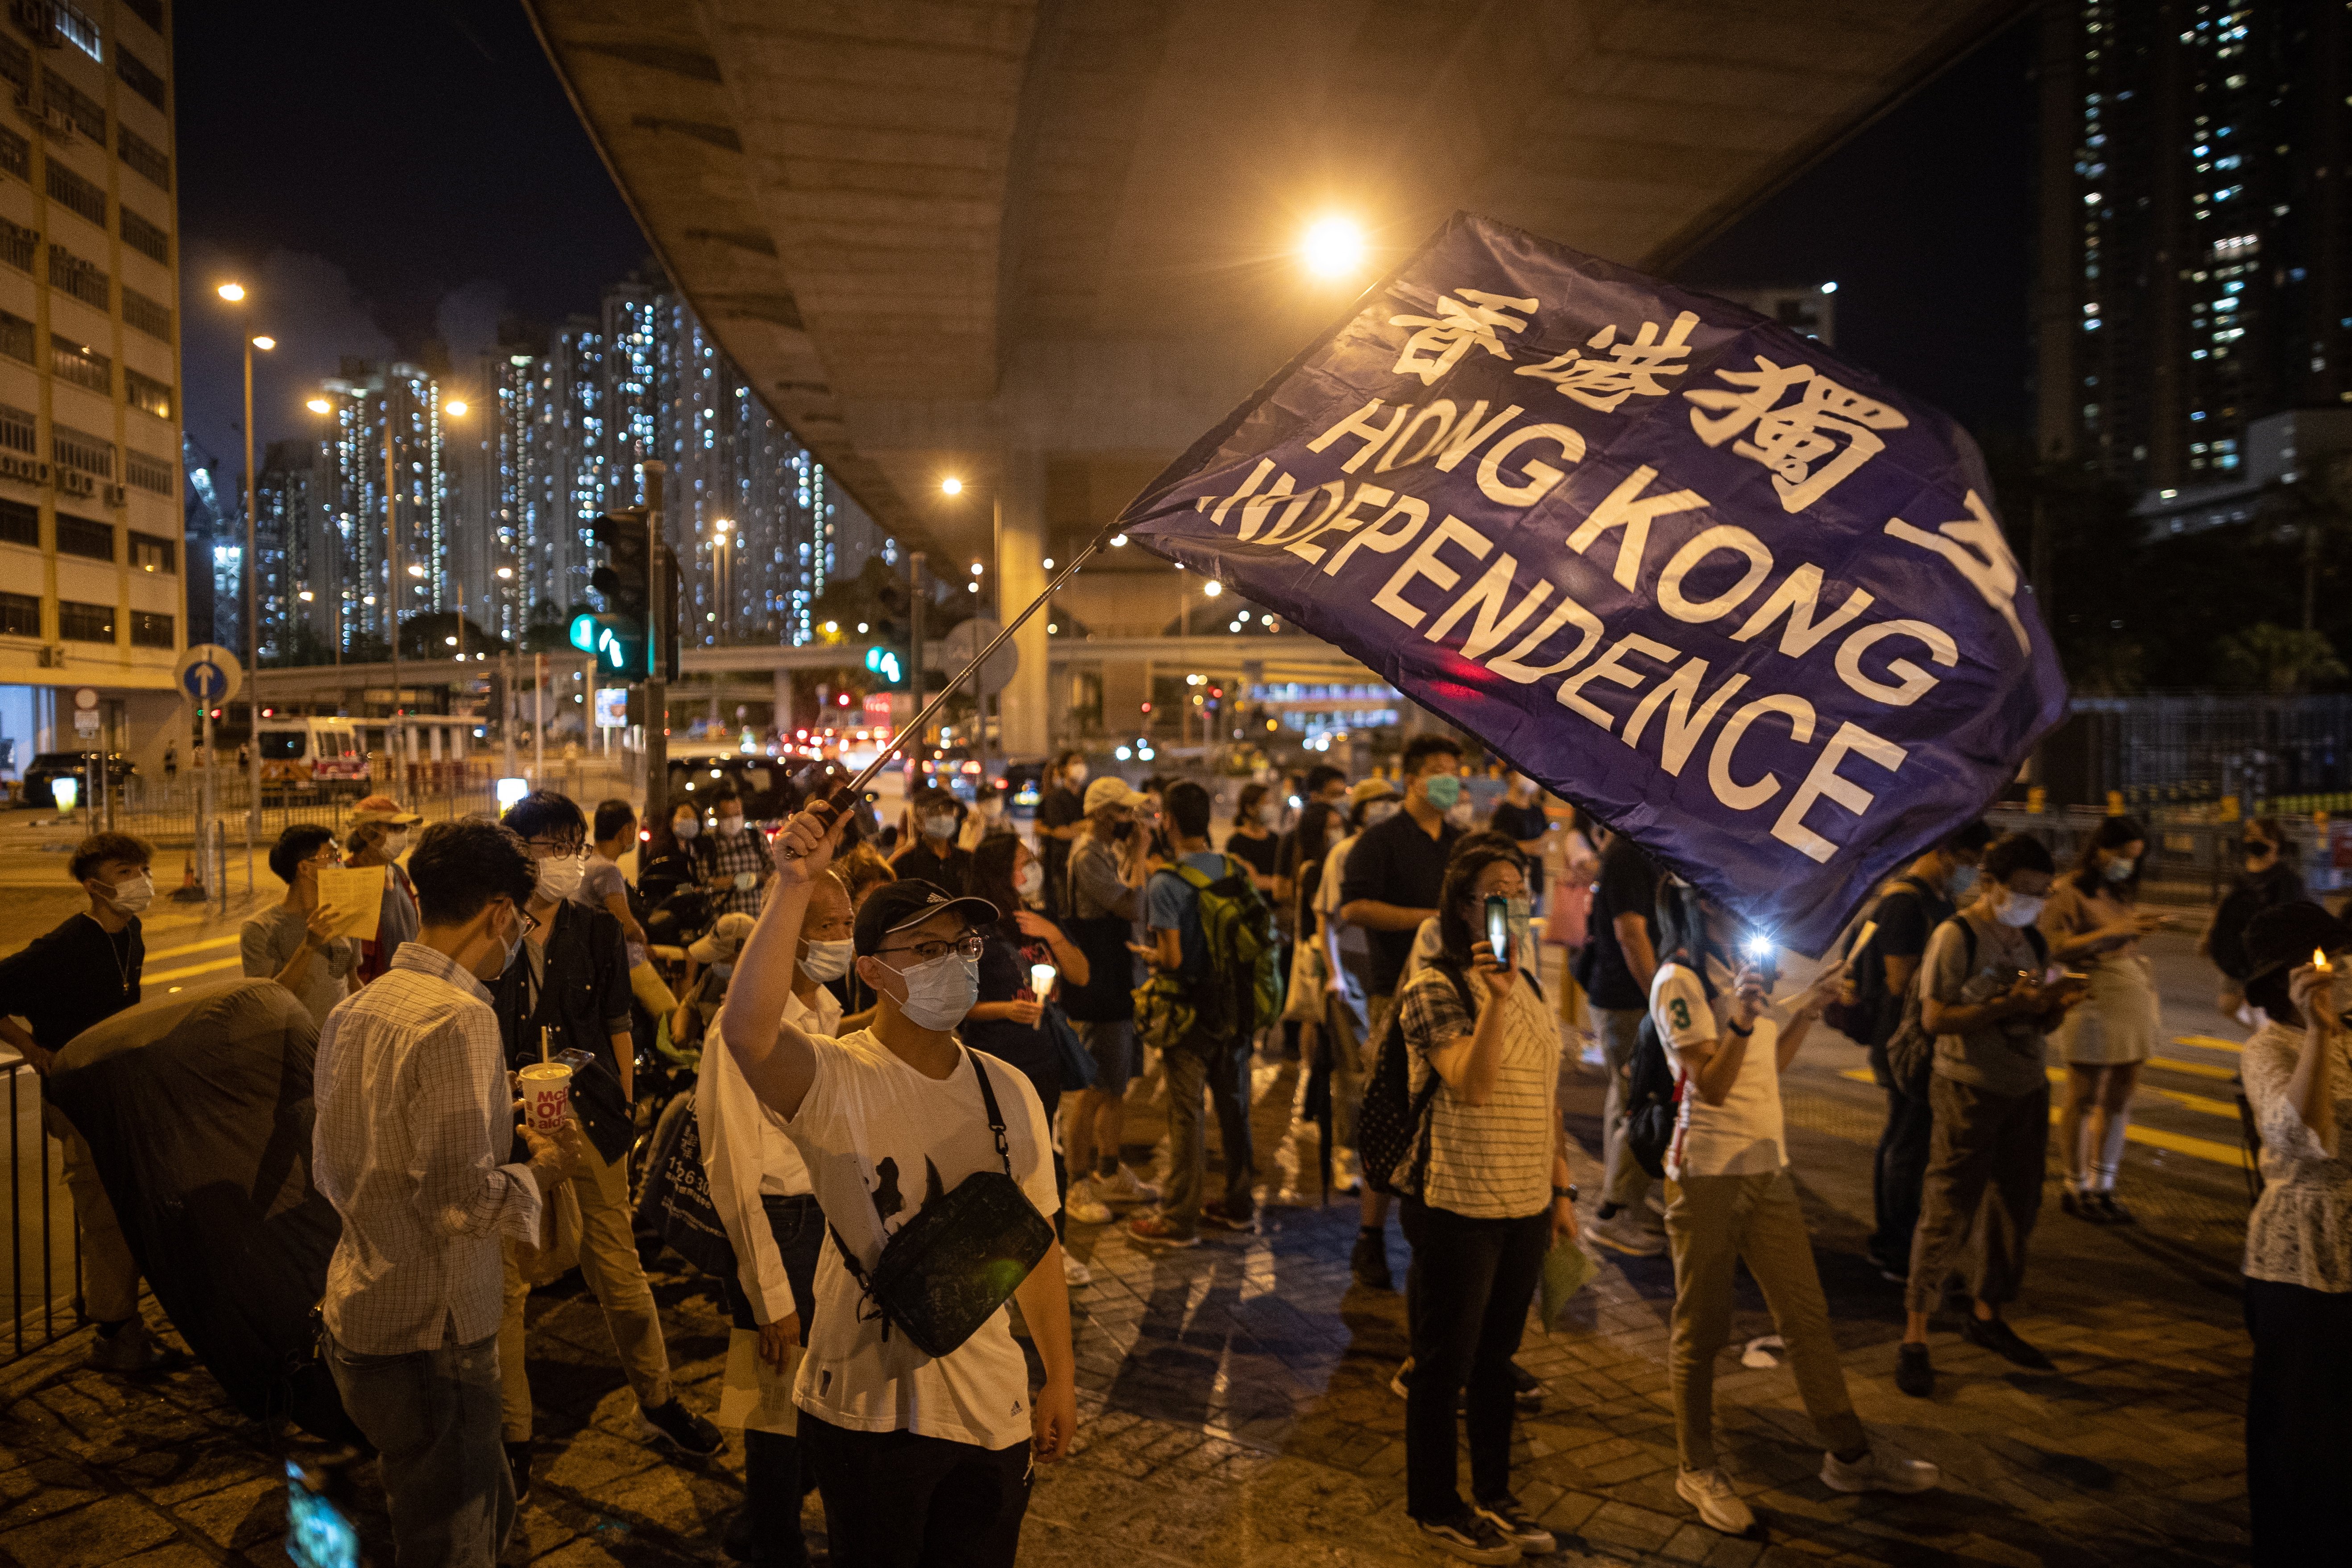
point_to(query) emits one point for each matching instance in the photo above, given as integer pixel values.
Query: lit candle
(2319, 961)
(1041, 980)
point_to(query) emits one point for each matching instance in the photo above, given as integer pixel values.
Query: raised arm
(777, 1059)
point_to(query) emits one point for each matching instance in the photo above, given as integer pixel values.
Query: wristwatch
(1567, 1192)
(1735, 1030)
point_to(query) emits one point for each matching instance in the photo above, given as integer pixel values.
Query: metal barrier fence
(43, 1244)
(2190, 860)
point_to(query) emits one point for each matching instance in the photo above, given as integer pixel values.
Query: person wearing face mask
(2267, 879)
(1346, 986)
(568, 989)
(292, 941)
(761, 1188)
(932, 854)
(1061, 818)
(921, 1460)
(1519, 816)
(985, 820)
(2093, 923)
(738, 860)
(1986, 995)
(61, 984)
(1251, 839)
(1388, 887)
(413, 1146)
(675, 855)
(372, 844)
(603, 886)
(1908, 910)
(1731, 1201)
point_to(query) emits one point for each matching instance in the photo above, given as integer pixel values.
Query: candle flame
(2318, 960)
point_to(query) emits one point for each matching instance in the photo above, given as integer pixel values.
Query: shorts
(1111, 1043)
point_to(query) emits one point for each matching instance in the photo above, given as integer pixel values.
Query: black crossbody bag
(946, 1271)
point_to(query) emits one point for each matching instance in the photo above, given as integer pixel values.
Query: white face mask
(133, 894)
(728, 826)
(1031, 878)
(394, 845)
(823, 961)
(2120, 871)
(2018, 909)
(938, 994)
(991, 808)
(1458, 815)
(1379, 811)
(686, 830)
(938, 824)
(559, 876)
(1268, 815)
(1076, 775)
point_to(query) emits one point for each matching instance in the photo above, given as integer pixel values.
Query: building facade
(2196, 236)
(92, 607)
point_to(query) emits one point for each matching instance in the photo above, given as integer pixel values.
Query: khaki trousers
(1985, 1160)
(608, 1261)
(1624, 1182)
(109, 1276)
(1713, 1224)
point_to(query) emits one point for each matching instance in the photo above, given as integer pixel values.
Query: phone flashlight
(1498, 928)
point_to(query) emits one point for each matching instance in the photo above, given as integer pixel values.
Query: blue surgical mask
(1963, 882)
(1441, 791)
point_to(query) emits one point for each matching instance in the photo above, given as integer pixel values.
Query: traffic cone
(189, 892)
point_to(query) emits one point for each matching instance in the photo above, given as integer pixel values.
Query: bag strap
(995, 1117)
(1425, 1101)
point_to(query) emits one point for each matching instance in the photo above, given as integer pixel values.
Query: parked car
(48, 766)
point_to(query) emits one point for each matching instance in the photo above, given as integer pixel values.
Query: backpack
(1653, 1093)
(1243, 989)
(1390, 1122)
(1911, 1050)
(1858, 1018)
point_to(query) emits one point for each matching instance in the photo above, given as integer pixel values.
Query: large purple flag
(1742, 600)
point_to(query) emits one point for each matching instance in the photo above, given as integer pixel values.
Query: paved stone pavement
(1236, 1408)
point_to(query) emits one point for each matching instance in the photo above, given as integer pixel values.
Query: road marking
(190, 947)
(182, 972)
(2210, 1042)
(2195, 1070)
(2208, 1149)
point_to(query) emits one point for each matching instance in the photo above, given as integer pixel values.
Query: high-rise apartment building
(91, 599)
(2196, 233)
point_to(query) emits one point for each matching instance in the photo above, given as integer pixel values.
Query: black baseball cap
(2284, 936)
(895, 906)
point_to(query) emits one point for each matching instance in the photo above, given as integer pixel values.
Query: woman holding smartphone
(1487, 1194)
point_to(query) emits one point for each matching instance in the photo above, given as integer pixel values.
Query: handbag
(1391, 1120)
(1303, 1002)
(1077, 1062)
(689, 1221)
(556, 1251)
(946, 1271)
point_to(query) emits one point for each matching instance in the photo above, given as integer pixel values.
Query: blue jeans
(433, 1416)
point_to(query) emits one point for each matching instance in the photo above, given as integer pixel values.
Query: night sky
(383, 176)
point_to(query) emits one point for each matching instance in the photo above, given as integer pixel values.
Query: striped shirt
(414, 1117)
(1492, 1160)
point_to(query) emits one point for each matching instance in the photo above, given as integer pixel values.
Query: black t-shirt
(73, 977)
(1258, 852)
(1004, 978)
(1628, 885)
(922, 863)
(1519, 823)
(1062, 807)
(1907, 914)
(1396, 863)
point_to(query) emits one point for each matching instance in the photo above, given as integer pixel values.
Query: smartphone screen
(1498, 929)
(578, 1060)
(317, 1535)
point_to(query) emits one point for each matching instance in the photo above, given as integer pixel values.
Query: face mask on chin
(938, 994)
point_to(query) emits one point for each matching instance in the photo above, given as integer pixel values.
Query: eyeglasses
(969, 946)
(530, 921)
(571, 849)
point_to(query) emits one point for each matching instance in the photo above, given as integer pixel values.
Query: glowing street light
(232, 292)
(1333, 247)
(456, 407)
(1213, 588)
(265, 345)
(320, 406)
(951, 485)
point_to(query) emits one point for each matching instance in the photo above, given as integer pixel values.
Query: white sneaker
(1627, 1235)
(1122, 1189)
(1083, 1206)
(1877, 1472)
(1718, 1506)
(1075, 1273)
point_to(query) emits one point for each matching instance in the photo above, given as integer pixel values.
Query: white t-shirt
(879, 1137)
(1743, 1136)
(746, 1156)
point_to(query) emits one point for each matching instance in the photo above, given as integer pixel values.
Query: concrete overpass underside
(1039, 245)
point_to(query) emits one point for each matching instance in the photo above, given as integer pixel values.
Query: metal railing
(44, 1243)
(2191, 857)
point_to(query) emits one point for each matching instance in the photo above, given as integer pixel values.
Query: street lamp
(1333, 247)
(235, 294)
(951, 485)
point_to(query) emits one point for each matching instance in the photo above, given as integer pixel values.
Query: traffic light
(620, 636)
(617, 642)
(888, 664)
(887, 659)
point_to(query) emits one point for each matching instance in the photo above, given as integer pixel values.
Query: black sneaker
(2083, 1206)
(682, 1429)
(1369, 1261)
(519, 1462)
(1527, 1392)
(1471, 1537)
(1992, 1334)
(2111, 1211)
(1218, 1217)
(1915, 1374)
(1511, 1521)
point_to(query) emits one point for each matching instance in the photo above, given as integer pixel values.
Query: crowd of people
(911, 1049)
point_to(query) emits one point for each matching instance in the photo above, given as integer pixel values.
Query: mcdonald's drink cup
(546, 1094)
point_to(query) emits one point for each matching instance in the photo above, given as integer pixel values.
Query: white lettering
(1256, 509)
(1797, 597)
(1975, 547)
(1360, 425)
(1442, 412)
(1621, 510)
(1723, 536)
(1380, 538)
(1587, 625)
(1915, 680)
(1343, 521)
(1470, 433)
(1258, 477)
(1541, 478)
(1423, 563)
(1335, 493)
(1747, 797)
(1822, 781)
(1487, 597)
(1682, 728)
(1608, 668)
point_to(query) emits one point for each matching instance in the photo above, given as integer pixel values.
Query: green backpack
(1244, 986)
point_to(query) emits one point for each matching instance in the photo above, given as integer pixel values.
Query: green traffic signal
(613, 641)
(888, 664)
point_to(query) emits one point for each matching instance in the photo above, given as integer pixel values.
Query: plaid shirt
(733, 856)
(413, 1115)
